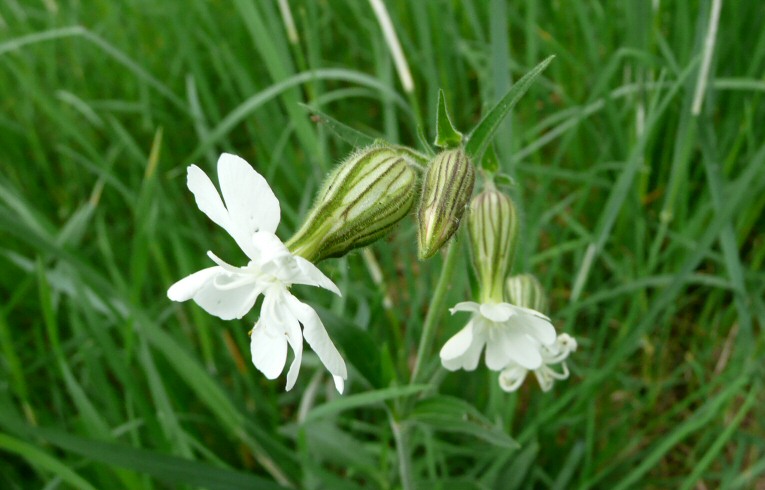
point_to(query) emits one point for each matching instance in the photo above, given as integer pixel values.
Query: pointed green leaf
(483, 132)
(446, 135)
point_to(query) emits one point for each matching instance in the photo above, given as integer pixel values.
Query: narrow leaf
(364, 399)
(483, 132)
(165, 467)
(346, 133)
(41, 459)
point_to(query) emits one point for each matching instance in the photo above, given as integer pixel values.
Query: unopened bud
(493, 229)
(526, 291)
(361, 201)
(446, 190)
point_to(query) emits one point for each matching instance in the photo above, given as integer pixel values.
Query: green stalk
(434, 311)
(401, 436)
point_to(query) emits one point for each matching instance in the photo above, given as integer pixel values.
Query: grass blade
(364, 399)
(171, 469)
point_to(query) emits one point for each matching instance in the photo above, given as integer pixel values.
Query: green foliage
(446, 135)
(481, 136)
(641, 216)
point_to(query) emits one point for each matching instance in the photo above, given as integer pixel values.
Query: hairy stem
(434, 311)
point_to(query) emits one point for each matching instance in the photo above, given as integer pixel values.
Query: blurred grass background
(639, 170)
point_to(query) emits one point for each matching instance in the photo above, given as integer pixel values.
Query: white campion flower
(511, 378)
(510, 333)
(250, 215)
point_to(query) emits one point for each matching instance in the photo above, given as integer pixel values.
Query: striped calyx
(493, 230)
(361, 201)
(526, 291)
(446, 190)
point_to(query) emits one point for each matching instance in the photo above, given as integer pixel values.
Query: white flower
(511, 334)
(512, 376)
(250, 215)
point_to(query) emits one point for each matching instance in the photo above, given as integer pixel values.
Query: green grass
(643, 219)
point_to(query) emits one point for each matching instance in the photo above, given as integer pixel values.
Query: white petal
(273, 313)
(452, 364)
(522, 349)
(497, 355)
(250, 201)
(469, 360)
(545, 377)
(566, 342)
(555, 374)
(268, 349)
(537, 327)
(497, 312)
(207, 197)
(223, 264)
(339, 383)
(269, 248)
(511, 378)
(471, 306)
(458, 344)
(186, 288)
(463, 350)
(295, 339)
(310, 275)
(316, 336)
(559, 351)
(529, 311)
(227, 303)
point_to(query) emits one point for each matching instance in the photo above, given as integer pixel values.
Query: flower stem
(435, 309)
(402, 450)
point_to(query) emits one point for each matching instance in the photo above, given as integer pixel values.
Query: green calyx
(493, 231)
(360, 202)
(446, 190)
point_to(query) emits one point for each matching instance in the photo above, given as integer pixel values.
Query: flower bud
(361, 201)
(446, 190)
(526, 291)
(493, 230)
